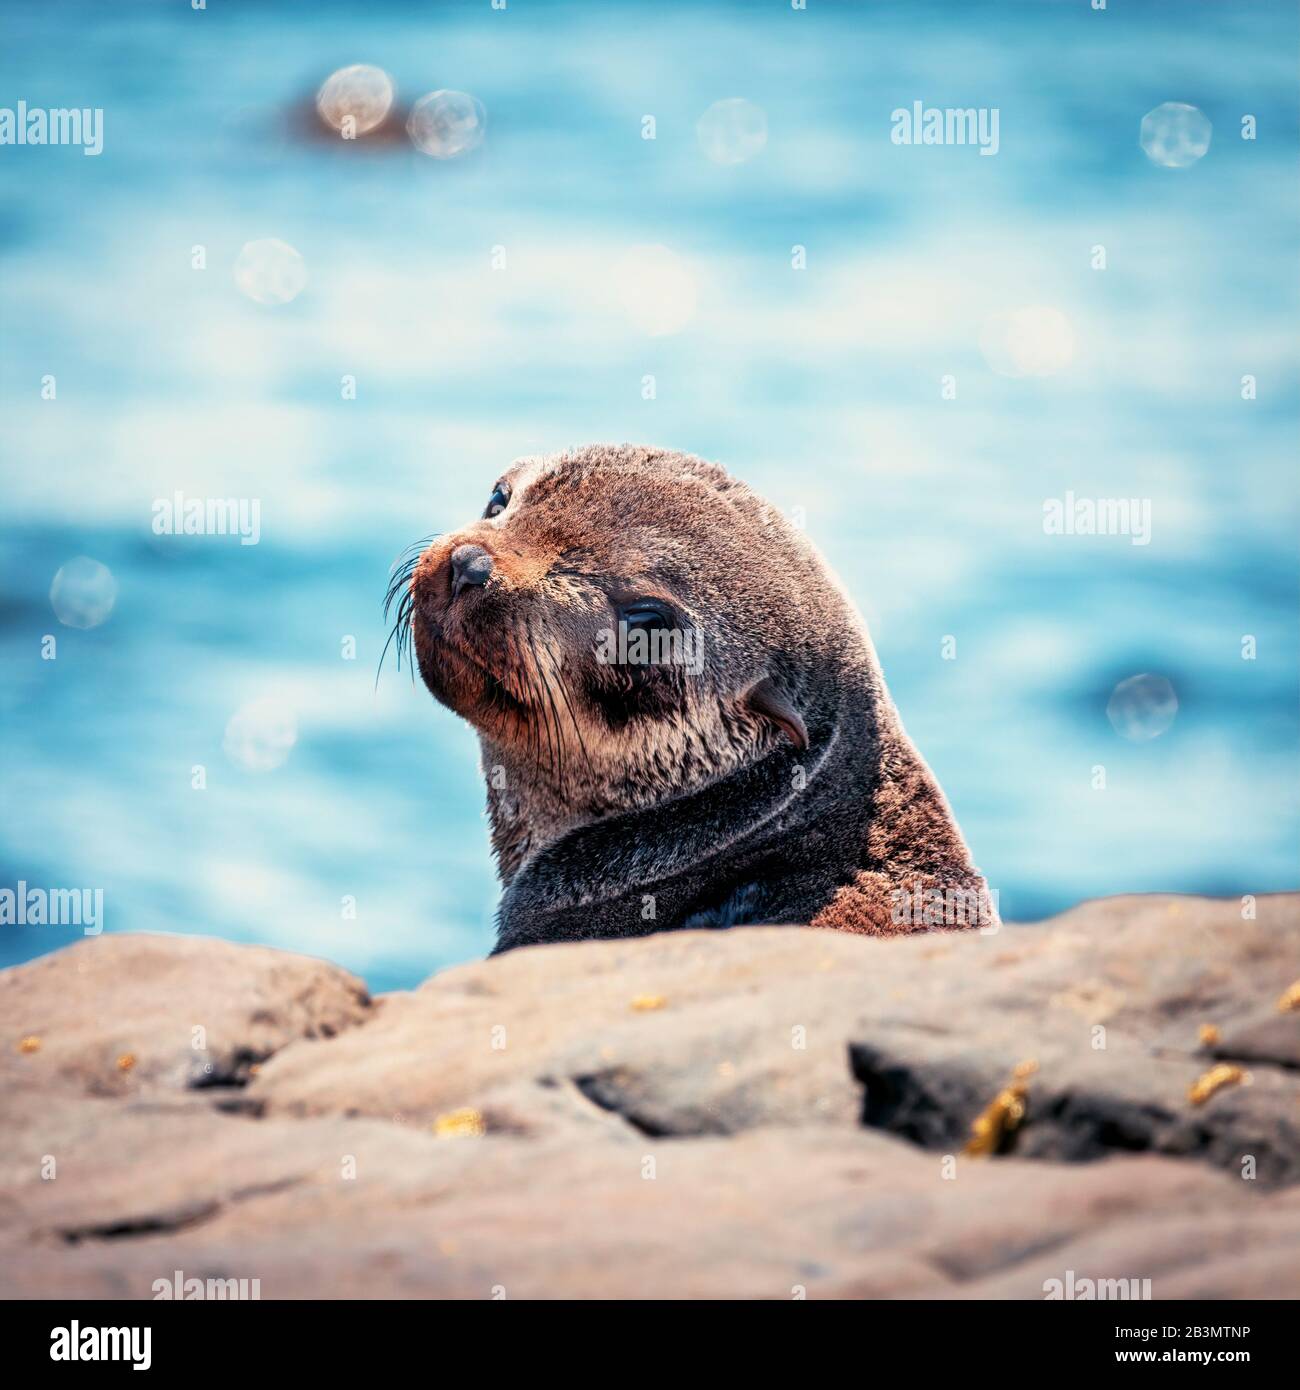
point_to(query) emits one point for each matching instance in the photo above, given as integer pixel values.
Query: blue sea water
(821, 386)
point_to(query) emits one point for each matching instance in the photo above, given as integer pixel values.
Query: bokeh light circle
(1175, 135)
(1036, 340)
(1142, 707)
(446, 124)
(83, 593)
(356, 99)
(261, 734)
(732, 131)
(270, 271)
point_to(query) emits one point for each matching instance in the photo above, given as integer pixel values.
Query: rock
(1271, 1037)
(1114, 1038)
(744, 1113)
(112, 1015)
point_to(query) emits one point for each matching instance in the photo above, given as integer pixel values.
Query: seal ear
(768, 702)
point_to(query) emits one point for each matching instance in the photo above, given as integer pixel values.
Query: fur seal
(681, 716)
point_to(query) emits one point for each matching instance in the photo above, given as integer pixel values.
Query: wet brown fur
(777, 784)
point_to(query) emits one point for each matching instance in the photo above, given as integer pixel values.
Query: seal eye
(645, 615)
(497, 503)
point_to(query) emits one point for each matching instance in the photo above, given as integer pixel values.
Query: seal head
(681, 717)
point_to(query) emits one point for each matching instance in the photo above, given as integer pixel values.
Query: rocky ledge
(757, 1113)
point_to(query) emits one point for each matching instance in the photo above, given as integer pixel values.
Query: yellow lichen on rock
(1205, 1085)
(460, 1124)
(1002, 1116)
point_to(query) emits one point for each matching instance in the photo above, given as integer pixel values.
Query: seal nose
(470, 566)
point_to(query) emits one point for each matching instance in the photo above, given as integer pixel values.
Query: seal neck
(655, 868)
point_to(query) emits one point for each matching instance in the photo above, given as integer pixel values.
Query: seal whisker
(392, 634)
(400, 591)
(400, 571)
(547, 708)
(554, 735)
(400, 636)
(525, 679)
(573, 719)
